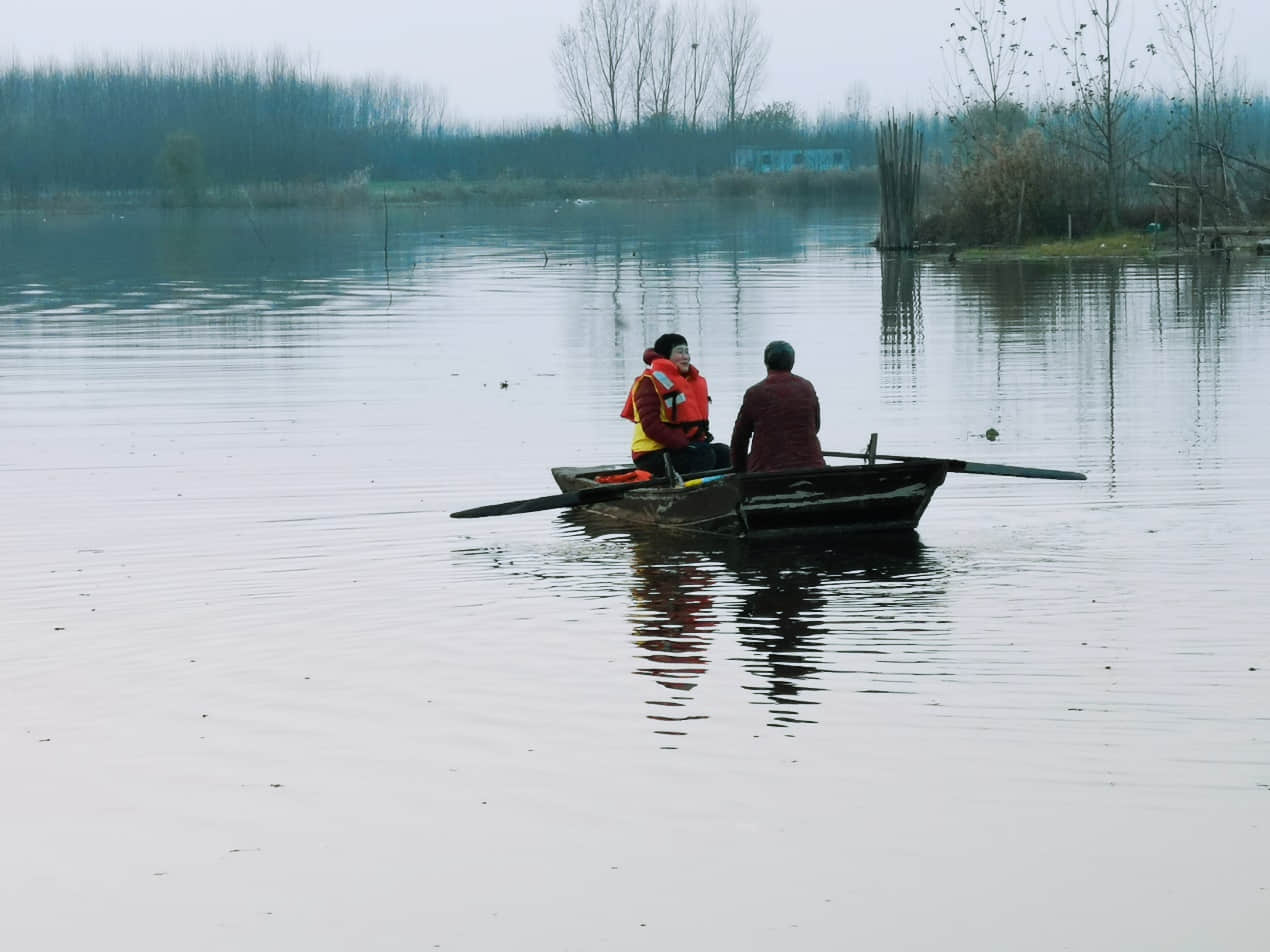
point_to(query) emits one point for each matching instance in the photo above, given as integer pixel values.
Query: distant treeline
(106, 126)
(196, 131)
(225, 122)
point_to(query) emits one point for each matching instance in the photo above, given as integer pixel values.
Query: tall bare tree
(742, 57)
(855, 102)
(592, 62)
(643, 48)
(700, 62)
(606, 28)
(985, 62)
(431, 108)
(664, 79)
(1193, 34)
(572, 64)
(1104, 87)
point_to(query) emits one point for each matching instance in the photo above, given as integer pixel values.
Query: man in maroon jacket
(782, 414)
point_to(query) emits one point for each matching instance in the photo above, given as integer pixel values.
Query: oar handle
(701, 481)
(962, 466)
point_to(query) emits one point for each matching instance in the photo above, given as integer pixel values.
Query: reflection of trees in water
(901, 316)
(673, 264)
(240, 281)
(1120, 328)
(1195, 292)
(1037, 300)
(1210, 283)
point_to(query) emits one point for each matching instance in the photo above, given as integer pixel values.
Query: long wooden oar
(961, 466)
(580, 497)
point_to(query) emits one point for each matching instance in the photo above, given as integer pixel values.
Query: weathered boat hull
(883, 497)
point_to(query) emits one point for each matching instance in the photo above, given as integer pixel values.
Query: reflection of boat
(881, 497)
(791, 619)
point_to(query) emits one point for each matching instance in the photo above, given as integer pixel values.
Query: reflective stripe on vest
(671, 398)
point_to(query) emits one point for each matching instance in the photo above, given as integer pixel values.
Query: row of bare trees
(102, 124)
(626, 63)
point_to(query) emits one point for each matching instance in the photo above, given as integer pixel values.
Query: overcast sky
(493, 57)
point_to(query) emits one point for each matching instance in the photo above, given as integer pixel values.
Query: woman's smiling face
(681, 357)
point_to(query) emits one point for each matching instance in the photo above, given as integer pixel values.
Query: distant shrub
(1011, 191)
(664, 185)
(181, 170)
(734, 184)
(829, 187)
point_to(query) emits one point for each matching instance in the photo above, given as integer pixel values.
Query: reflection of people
(853, 614)
(775, 622)
(782, 415)
(673, 612)
(806, 610)
(669, 404)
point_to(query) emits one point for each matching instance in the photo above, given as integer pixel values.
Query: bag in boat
(631, 476)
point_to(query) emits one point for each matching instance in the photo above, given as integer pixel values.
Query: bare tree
(742, 57)
(431, 106)
(605, 27)
(986, 65)
(573, 77)
(1193, 34)
(855, 111)
(699, 67)
(856, 100)
(1104, 89)
(643, 46)
(664, 78)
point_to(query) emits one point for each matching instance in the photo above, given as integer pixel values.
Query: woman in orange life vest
(670, 407)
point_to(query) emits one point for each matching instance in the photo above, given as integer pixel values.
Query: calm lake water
(258, 691)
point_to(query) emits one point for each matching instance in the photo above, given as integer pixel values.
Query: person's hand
(677, 440)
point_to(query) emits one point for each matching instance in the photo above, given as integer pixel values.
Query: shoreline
(821, 190)
(1218, 242)
(827, 189)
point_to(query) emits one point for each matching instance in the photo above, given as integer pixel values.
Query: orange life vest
(684, 400)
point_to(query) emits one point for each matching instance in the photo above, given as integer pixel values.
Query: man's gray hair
(779, 355)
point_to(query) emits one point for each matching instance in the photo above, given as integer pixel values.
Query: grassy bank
(1123, 244)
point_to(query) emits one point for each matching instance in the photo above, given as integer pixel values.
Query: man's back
(782, 414)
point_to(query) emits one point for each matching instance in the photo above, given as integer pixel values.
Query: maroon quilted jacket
(782, 415)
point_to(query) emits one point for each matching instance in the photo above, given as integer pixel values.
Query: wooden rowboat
(882, 497)
(872, 494)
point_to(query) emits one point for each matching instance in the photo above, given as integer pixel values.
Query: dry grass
(1119, 244)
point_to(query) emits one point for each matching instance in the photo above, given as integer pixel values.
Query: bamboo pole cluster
(899, 175)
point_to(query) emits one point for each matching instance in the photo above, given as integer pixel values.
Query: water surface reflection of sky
(244, 650)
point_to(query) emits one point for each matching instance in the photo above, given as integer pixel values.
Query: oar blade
(581, 497)
(559, 501)
(1027, 472)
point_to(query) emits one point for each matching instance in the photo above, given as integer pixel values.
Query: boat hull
(883, 497)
